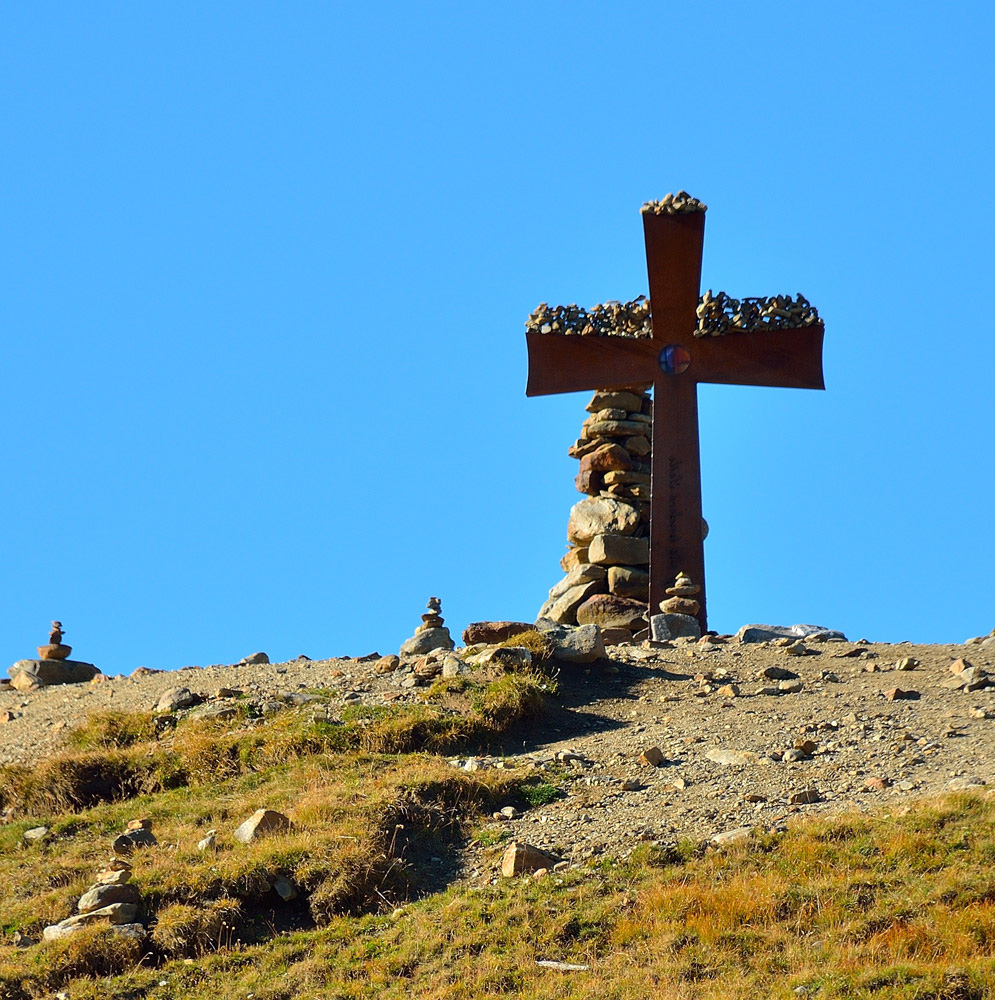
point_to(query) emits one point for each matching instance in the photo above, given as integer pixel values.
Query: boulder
(424, 642)
(261, 823)
(509, 658)
(42, 673)
(619, 550)
(598, 516)
(610, 611)
(175, 698)
(253, 658)
(581, 644)
(767, 633)
(521, 858)
(493, 631)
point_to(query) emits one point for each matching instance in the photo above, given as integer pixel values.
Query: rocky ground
(749, 733)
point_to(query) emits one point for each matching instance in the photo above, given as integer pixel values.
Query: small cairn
(431, 634)
(53, 665)
(113, 900)
(55, 650)
(678, 611)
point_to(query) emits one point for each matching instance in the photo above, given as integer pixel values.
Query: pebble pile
(718, 314)
(673, 204)
(607, 581)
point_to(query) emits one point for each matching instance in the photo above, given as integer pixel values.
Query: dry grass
(892, 907)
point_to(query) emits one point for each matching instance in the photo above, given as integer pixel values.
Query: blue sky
(266, 270)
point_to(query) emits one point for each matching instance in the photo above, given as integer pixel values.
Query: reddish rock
(493, 631)
(606, 458)
(54, 651)
(680, 606)
(610, 611)
(614, 636)
(573, 558)
(589, 482)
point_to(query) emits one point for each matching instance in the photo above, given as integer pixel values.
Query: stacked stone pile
(113, 899)
(718, 314)
(431, 634)
(53, 666)
(673, 204)
(607, 581)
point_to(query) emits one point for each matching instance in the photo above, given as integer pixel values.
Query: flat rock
(580, 644)
(767, 633)
(261, 823)
(619, 550)
(619, 400)
(102, 895)
(493, 631)
(730, 757)
(732, 836)
(48, 672)
(609, 611)
(606, 458)
(629, 581)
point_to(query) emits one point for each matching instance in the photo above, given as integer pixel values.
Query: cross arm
(563, 363)
(791, 359)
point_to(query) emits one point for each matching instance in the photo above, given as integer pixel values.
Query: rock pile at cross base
(606, 564)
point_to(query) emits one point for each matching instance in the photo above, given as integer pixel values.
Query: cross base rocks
(670, 626)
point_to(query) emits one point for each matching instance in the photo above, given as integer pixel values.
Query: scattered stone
(285, 889)
(261, 823)
(546, 963)
(253, 659)
(728, 837)
(789, 687)
(36, 834)
(728, 691)
(652, 757)
(521, 858)
(209, 842)
(897, 694)
(730, 757)
(387, 664)
(805, 796)
(907, 663)
(778, 674)
(175, 698)
(877, 784)
(632, 785)
(965, 784)
(767, 633)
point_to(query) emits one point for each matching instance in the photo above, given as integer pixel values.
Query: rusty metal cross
(791, 358)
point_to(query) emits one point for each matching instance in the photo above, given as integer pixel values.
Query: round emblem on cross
(674, 359)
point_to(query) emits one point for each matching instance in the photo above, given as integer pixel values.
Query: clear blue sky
(266, 270)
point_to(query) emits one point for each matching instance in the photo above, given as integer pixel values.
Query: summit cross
(675, 360)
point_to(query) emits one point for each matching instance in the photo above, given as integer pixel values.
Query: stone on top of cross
(674, 340)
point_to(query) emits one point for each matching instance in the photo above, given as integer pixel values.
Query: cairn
(431, 634)
(678, 611)
(607, 581)
(55, 650)
(53, 666)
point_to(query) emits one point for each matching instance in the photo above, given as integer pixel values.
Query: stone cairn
(607, 581)
(113, 900)
(53, 666)
(678, 611)
(431, 634)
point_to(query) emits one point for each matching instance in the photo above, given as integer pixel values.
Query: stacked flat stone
(678, 612)
(607, 581)
(431, 634)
